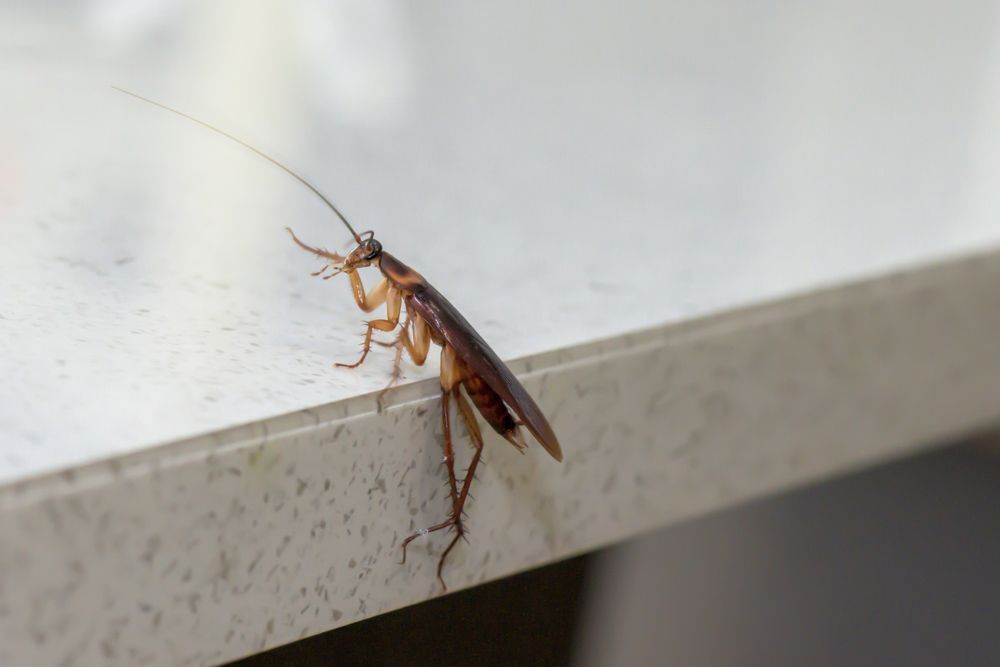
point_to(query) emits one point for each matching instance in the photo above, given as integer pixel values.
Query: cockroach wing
(470, 347)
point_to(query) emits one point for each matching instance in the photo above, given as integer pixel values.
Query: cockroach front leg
(381, 293)
(381, 325)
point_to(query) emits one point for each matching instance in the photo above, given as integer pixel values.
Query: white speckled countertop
(568, 180)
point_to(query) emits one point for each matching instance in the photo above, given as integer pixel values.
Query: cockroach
(467, 361)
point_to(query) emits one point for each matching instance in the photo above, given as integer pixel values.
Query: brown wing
(443, 317)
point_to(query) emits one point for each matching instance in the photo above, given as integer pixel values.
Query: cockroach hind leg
(444, 556)
(421, 532)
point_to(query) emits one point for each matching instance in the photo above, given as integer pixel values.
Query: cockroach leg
(381, 293)
(421, 342)
(459, 534)
(418, 345)
(470, 420)
(393, 303)
(451, 377)
(397, 363)
(449, 461)
(372, 300)
(397, 368)
(472, 426)
(381, 325)
(452, 373)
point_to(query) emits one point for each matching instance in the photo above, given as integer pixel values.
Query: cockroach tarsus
(471, 372)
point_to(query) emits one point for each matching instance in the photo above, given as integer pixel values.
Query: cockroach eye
(373, 248)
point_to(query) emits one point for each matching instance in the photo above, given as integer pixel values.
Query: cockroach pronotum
(467, 362)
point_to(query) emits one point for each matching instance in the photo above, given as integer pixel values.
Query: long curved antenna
(258, 152)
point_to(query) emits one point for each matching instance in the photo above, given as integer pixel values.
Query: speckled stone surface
(647, 206)
(560, 180)
(204, 550)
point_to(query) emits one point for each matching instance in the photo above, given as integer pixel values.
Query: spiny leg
(416, 348)
(418, 345)
(472, 426)
(397, 363)
(381, 325)
(449, 461)
(451, 375)
(397, 372)
(381, 293)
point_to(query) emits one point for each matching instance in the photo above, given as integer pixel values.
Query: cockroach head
(367, 252)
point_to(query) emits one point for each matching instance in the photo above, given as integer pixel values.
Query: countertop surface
(729, 249)
(561, 178)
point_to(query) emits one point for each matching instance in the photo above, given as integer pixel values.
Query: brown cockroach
(467, 361)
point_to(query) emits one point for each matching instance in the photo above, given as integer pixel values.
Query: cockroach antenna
(261, 153)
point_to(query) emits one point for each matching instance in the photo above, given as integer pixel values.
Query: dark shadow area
(527, 619)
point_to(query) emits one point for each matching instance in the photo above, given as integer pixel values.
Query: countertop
(729, 249)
